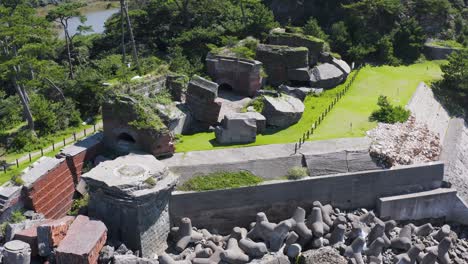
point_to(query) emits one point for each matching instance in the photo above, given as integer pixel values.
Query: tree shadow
(452, 103)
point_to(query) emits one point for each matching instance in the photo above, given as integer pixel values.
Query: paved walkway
(61, 144)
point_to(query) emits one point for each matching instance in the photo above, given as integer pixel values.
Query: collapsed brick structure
(131, 196)
(133, 123)
(242, 75)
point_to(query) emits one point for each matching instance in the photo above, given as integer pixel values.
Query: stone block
(201, 96)
(314, 45)
(84, 240)
(237, 128)
(49, 235)
(202, 89)
(298, 92)
(176, 84)
(327, 75)
(29, 234)
(16, 252)
(282, 111)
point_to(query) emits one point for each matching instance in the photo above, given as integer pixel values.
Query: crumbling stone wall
(313, 44)
(131, 123)
(244, 76)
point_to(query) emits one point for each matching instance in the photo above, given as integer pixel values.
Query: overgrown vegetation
(257, 103)
(220, 180)
(297, 173)
(79, 204)
(16, 217)
(388, 113)
(151, 181)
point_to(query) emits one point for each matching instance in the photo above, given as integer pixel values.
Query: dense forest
(54, 83)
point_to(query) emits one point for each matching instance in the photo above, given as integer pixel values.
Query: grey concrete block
(360, 160)
(327, 163)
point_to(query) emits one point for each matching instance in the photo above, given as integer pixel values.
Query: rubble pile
(404, 143)
(326, 235)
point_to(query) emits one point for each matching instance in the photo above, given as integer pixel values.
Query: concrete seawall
(273, 161)
(221, 209)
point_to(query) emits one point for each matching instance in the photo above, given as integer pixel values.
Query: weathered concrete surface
(314, 45)
(428, 110)
(29, 235)
(83, 242)
(327, 75)
(433, 52)
(237, 207)
(282, 111)
(16, 252)
(435, 203)
(176, 116)
(244, 76)
(201, 96)
(268, 161)
(131, 196)
(237, 128)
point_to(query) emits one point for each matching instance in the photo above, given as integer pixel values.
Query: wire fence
(306, 135)
(27, 158)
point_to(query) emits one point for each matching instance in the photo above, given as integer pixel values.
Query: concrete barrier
(219, 209)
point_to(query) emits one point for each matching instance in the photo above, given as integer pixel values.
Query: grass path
(398, 83)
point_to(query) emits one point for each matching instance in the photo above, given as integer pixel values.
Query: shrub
(17, 180)
(220, 180)
(24, 140)
(389, 113)
(312, 28)
(256, 103)
(79, 204)
(150, 181)
(10, 111)
(17, 216)
(296, 173)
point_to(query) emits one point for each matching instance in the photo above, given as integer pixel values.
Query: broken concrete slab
(84, 240)
(201, 96)
(29, 235)
(299, 74)
(326, 76)
(49, 235)
(131, 259)
(237, 128)
(299, 92)
(326, 163)
(282, 111)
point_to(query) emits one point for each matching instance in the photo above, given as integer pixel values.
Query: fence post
(94, 126)
(53, 146)
(17, 163)
(303, 137)
(74, 136)
(84, 132)
(295, 148)
(42, 152)
(30, 157)
(64, 142)
(308, 134)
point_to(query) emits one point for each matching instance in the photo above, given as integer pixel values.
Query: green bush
(296, 173)
(389, 113)
(10, 111)
(220, 180)
(312, 28)
(17, 217)
(25, 140)
(78, 204)
(257, 103)
(150, 181)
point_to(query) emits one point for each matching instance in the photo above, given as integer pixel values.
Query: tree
(340, 38)
(25, 42)
(409, 40)
(313, 28)
(62, 14)
(388, 113)
(455, 77)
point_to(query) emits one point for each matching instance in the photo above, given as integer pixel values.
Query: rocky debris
(327, 75)
(342, 65)
(131, 259)
(404, 143)
(299, 92)
(50, 235)
(84, 240)
(16, 252)
(327, 236)
(237, 128)
(325, 255)
(282, 111)
(29, 235)
(131, 196)
(201, 96)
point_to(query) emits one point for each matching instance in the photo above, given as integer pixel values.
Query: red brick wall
(52, 194)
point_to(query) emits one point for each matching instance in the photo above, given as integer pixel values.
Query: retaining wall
(221, 209)
(274, 161)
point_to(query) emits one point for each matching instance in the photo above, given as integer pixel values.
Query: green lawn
(398, 83)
